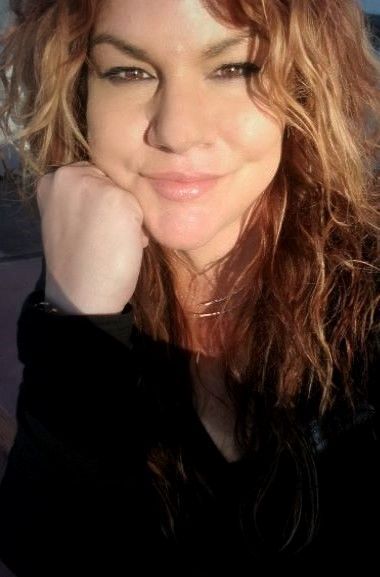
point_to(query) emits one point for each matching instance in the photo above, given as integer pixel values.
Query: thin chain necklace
(201, 315)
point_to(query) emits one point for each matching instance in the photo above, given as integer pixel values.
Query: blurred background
(20, 261)
(371, 6)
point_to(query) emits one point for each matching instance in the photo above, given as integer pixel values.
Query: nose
(178, 120)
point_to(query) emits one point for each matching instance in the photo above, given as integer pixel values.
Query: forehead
(176, 25)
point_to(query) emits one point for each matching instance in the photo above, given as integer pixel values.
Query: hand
(92, 238)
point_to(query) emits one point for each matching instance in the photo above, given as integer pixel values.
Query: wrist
(47, 307)
(78, 304)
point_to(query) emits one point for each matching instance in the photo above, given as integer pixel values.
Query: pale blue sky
(372, 6)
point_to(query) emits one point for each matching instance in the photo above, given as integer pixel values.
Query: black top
(77, 498)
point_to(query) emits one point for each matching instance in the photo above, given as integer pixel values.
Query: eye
(121, 74)
(237, 70)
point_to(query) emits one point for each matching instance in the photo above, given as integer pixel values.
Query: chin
(180, 240)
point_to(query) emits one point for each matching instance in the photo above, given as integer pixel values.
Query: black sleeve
(80, 437)
(77, 371)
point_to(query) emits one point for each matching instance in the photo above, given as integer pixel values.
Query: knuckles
(88, 184)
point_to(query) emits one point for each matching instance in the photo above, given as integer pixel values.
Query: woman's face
(166, 105)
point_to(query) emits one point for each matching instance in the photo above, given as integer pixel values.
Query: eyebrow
(209, 51)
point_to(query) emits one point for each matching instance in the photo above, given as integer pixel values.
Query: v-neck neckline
(207, 441)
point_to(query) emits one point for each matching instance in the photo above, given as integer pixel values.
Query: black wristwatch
(47, 307)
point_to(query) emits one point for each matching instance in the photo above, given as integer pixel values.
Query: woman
(200, 351)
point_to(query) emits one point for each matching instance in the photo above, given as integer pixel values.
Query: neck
(207, 310)
(218, 279)
(220, 284)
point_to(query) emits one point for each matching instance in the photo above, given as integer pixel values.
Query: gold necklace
(201, 315)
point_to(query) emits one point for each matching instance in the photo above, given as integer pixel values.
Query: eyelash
(248, 69)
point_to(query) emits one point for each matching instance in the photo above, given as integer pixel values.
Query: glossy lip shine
(182, 187)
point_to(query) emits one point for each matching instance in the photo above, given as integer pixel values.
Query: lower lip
(175, 190)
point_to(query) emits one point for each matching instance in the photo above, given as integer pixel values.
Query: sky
(372, 6)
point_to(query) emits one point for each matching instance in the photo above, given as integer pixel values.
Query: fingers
(43, 185)
(145, 237)
(45, 182)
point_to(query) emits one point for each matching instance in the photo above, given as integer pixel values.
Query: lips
(173, 190)
(183, 176)
(182, 186)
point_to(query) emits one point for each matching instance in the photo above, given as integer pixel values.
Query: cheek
(255, 134)
(114, 134)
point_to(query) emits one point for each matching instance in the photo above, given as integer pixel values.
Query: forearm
(76, 370)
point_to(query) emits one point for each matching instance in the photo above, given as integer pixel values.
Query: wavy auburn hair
(307, 296)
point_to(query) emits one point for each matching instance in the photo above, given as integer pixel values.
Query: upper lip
(182, 176)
